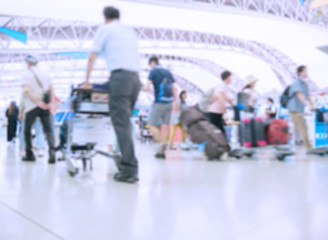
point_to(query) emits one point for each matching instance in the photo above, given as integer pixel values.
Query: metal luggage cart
(88, 125)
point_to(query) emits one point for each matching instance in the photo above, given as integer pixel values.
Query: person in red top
(55, 105)
(220, 98)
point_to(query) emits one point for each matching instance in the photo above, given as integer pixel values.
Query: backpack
(206, 100)
(165, 94)
(284, 98)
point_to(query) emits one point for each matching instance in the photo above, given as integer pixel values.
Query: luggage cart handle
(81, 90)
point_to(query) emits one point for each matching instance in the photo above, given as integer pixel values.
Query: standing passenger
(180, 105)
(38, 96)
(12, 116)
(271, 109)
(119, 44)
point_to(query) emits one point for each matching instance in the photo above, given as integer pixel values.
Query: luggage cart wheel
(73, 173)
(281, 158)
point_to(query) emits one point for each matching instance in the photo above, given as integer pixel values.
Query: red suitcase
(278, 132)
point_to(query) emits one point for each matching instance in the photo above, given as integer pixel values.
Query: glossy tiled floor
(181, 198)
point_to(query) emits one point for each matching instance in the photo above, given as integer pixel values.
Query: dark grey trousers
(46, 124)
(124, 88)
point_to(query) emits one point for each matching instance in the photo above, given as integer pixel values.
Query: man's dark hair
(225, 75)
(270, 100)
(300, 69)
(111, 13)
(153, 59)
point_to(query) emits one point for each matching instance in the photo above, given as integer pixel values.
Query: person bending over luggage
(163, 83)
(299, 97)
(250, 90)
(119, 45)
(178, 107)
(271, 110)
(219, 100)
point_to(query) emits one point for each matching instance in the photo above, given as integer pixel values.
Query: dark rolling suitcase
(190, 116)
(216, 143)
(254, 132)
(202, 131)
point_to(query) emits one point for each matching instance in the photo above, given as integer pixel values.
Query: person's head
(302, 72)
(111, 14)
(226, 77)
(251, 82)
(183, 96)
(12, 106)
(153, 61)
(270, 101)
(31, 61)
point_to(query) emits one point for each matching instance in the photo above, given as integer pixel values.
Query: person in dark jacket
(12, 116)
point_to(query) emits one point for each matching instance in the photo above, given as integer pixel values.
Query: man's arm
(40, 104)
(58, 103)
(91, 62)
(227, 97)
(52, 94)
(311, 103)
(146, 87)
(301, 97)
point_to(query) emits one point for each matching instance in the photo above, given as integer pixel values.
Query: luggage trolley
(88, 125)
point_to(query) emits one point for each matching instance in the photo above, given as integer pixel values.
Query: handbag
(46, 95)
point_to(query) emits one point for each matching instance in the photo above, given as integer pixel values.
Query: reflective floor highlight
(184, 197)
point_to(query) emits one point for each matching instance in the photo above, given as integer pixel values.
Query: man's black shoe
(29, 158)
(160, 155)
(52, 161)
(52, 158)
(120, 177)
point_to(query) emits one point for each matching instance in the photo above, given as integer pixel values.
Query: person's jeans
(46, 123)
(21, 136)
(39, 138)
(39, 135)
(300, 125)
(124, 88)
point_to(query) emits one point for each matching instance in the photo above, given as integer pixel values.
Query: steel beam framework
(102, 73)
(49, 35)
(289, 9)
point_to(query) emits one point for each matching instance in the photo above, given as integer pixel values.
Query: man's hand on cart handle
(86, 85)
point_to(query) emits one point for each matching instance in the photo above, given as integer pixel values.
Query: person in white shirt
(119, 44)
(38, 92)
(271, 109)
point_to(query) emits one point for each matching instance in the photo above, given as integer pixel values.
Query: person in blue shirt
(160, 114)
(299, 98)
(119, 44)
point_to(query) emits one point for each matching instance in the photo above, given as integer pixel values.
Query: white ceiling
(297, 40)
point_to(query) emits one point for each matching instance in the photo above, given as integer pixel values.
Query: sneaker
(160, 155)
(27, 158)
(121, 177)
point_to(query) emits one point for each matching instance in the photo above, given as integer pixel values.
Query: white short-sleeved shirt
(119, 44)
(28, 79)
